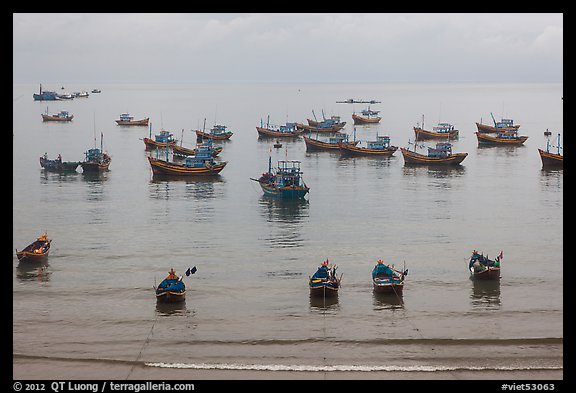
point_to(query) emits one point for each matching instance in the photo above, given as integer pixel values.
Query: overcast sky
(279, 47)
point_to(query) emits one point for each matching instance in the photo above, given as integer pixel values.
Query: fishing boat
(444, 131)
(324, 283)
(502, 138)
(360, 101)
(368, 116)
(96, 91)
(171, 289)
(96, 160)
(330, 144)
(483, 268)
(200, 164)
(183, 152)
(386, 279)
(332, 124)
(550, 159)
(82, 94)
(288, 130)
(60, 116)
(45, 95)
(58, 165)
(379, 148)
(441, 154)
(127, 120)
(37, 251)
(502, 125)
(285, 181)
(163, 139)
(218, 132)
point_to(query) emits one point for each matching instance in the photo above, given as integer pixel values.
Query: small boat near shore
(58, 165)
(483, 268)
(386, 279)
(284, 181)
(60, 116)
(550, 159)
(127, 120)
(36, 251)
(441, 154)
(172, 289)
(324, 283)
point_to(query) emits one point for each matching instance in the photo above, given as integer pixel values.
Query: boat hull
(295, 192)
(411, 157)
(363, 151)
(490, 273)
(142, 122)
(56, 118)
(152, 144)
(266, 132)
(365, 120)
(422, 134)
(221, 137)
(315, 128)
(319, 288)
(315, 144)
(161, 167)
(170, 296)
(550, 160)
(58, 166)
(494, 140)
(92, 167)
(486, 129)
(388, 286)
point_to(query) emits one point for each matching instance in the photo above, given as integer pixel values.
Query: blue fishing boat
(386, 279)
(58, 165)
(172, 288)
(97, 160)
(45, 95)
(483, 268)
(324, 283)
(202, 163)
(289, 130)
(162, 139)
(285, 181)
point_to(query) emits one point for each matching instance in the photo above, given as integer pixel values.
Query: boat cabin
(94, 155)
(442, 149)
(218, 129)
(164, 136)
(443, 128)
(288, 174)
(381, 143)
(126, 117)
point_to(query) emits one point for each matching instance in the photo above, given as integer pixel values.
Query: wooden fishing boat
(163, 139)
(502, 138)
(285, 181)
(288, 130)
(218, 132)
(502, 125)
(200, 164)
(37, 251)
(82, 94)
(483, 268)
(171, 289)
(549, 159)
(444, 131)
(127, 120)
(379, 148)
(368, 116)
(330, 144)
(181, 151)
(439, 155)
(60, 116)
(324, 283)
(58, 165)
(386, 279)
(45, 95)
(96, 160)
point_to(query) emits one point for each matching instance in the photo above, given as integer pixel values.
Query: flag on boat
(501, 255)
(191, 271)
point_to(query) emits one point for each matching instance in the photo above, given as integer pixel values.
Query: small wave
(343, 367)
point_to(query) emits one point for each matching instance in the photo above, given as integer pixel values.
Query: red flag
(501, 255)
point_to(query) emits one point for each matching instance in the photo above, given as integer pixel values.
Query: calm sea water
(248, 306)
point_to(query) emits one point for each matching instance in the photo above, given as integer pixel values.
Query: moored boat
(285, 181)
(200, 164)
(550, 159)
(288, 130)
(324, 283)
(378, 148)
(441, 154)
(502, 138)
(368, 116)
(330, 144)
(444, 131)
(58, 165)
(127, 120)
(162, 140)
(217, 132)
(332, 124)
(502, 125)
(171, 289)
(45, 95)
(386, 279)
(96, 160)
(181, 151)
(60, 116)
(483, 268)
(36, 251)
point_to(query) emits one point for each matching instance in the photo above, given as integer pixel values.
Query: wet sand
(50, 369)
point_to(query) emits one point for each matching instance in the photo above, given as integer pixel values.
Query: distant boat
(330, 144)
(483, 268)
(36, 251)
(163, 139)
(181, 151)
(385, 279)
(96, 160)
(200, 164)
(502, 125)
(127, 120)
(83, 94)
(45, 95)
(354, 101)
(60, 116)
(441, 154)
(217, 132)
(324, 283)
(379, 148)
(506, 137)
(444, 131)
(96, 91)
(58, 165)
(368, 116)
(288, 130)
(549, 159)
(65, 96)
(332, 124)
(285, 181)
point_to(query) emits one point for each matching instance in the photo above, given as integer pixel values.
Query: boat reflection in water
(485, 294)
(172, 309)
(33, 271)
(387, 301)
(324, 303)
(286, 218)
